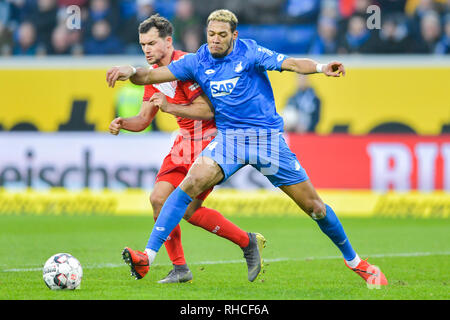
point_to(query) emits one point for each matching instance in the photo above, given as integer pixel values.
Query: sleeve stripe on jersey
(195, 96)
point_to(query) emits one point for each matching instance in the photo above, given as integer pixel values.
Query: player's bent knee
(316, 209)
(157, 201)
(200, 177)
(193, 185)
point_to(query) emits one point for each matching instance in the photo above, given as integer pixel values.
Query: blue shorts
(267, 152)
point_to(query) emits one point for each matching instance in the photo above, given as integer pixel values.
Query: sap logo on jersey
(224, 87)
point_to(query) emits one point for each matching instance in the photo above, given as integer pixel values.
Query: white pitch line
(384, 255)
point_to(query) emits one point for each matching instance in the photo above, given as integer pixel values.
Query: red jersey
(182, 92)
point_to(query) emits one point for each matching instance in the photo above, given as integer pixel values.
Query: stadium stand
(34, 27)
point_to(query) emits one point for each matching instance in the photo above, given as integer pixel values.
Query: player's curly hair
(224, 15)
(164, 27)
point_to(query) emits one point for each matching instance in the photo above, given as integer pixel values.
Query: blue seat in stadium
(166, 8)
(288, 39)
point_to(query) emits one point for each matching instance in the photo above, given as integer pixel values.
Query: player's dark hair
(164, 27)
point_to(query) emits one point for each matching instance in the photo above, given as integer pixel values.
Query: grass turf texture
(301, 262)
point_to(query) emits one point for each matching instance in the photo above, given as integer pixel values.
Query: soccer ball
(62, 271)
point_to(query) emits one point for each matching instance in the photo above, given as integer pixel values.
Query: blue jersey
(237, 85)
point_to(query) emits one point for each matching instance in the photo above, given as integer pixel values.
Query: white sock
(354, 262)
(151, 255)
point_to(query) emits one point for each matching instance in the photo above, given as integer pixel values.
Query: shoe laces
(365, 260)
(172, 271)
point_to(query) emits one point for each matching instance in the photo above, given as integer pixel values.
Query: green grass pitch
(300, 262)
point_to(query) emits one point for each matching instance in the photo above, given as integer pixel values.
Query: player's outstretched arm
(136, 123)
(199, 109)
(139, 76)
(308, 66)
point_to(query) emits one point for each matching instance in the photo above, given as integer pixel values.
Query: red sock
(174, 247)
(213, 221)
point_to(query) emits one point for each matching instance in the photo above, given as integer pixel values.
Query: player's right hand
(115, 126)
(121, 73)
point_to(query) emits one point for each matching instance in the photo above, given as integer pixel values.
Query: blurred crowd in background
(38, 27)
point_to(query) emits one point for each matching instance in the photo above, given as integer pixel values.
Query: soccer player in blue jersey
(233, 74)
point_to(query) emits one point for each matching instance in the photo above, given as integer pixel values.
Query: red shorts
(180, 159)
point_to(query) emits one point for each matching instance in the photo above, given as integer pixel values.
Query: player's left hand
(334, 69)
(159, 100)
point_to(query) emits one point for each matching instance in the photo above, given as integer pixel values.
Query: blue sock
(171, 214)
(332, 227)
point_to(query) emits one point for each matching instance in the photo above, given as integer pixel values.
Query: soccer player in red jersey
(155, 36)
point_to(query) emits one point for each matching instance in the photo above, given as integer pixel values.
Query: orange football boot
(370, 273)
(138, 262)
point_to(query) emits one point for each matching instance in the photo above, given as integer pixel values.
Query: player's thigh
(204, 174)
(277, 162)
(193, 206)
(159, 195)
(222, 151)
(306, 197)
